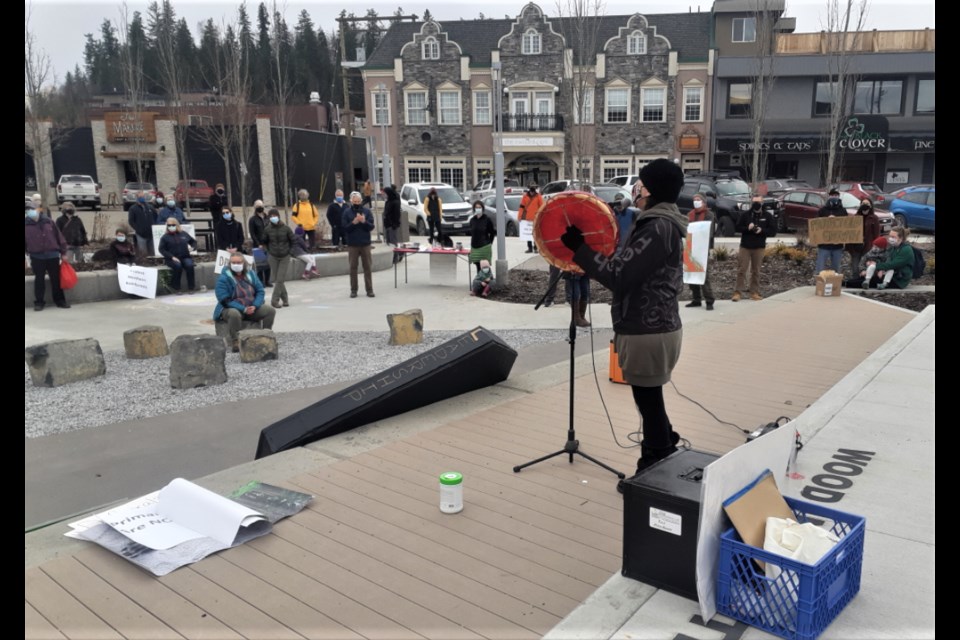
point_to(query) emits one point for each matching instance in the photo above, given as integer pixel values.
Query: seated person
(175, 248)
(240, 298)
(301, 251)
(899, 260)
(483, 281)
(122, 251)
(868, 266)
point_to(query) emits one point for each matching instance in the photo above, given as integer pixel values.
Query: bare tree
(37, 73)
(580, 26)
(282, 89)
(765, 14)
(131, 63)
(845, 20)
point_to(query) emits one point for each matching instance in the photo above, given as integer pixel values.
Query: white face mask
(893, 242)
(697, 204)
(121, 238)
(274, 219)
(171, 227)
(236, 267)
(171, 204)
(477, 211)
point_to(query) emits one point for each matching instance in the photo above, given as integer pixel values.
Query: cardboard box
(829, 283)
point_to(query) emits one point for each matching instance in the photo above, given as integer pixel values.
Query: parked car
(80, 190)
(727, 196)
(456, 211)
(198, 193)
(558, 186)
(800, 205)
(776, 186)
(866, 190)
(512, 205)
(626, 181)
(132, 189)
(488, 187)
(902, 190)
(916, 208)
(611, 194)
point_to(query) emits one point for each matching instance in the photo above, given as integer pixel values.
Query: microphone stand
(572, 445)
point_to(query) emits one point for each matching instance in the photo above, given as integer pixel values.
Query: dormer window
(531, 42)
(636, 44)
(431, 49)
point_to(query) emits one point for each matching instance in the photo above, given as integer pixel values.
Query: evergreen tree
(262, 69)
(374, 32)
(306, 57)
(427, 16)
(325, 74)
(186, 54)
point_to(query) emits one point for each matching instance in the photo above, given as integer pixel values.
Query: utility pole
(503, 272)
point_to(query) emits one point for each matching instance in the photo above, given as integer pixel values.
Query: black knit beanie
(663, 179)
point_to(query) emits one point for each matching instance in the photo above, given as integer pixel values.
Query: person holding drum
(646, 278)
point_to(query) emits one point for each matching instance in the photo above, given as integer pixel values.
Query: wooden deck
(373, 557)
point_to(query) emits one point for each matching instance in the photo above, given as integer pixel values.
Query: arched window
(636, 43)
(431, 49)
(531, 42)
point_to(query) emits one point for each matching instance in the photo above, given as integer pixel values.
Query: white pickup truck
(80, 190)
(488, 187)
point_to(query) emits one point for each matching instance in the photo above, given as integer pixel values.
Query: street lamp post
(384, 175)
(503, 272)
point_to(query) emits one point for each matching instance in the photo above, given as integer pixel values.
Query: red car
(870, 190)
(799, 205)
(198, 193)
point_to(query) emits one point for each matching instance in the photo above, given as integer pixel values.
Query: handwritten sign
(139, 281)
(696, 250)
(160, 229)
(836, 230)
(526, 230)
(223, 258)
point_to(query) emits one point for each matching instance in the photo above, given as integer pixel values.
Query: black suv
(727, 195)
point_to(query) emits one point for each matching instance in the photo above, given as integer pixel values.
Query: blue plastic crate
(804, 599)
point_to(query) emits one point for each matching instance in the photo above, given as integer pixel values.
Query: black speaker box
(470, 361)
(661, 520)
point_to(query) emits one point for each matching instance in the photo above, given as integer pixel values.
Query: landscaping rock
(61, 362)
(406, 327)
(145, 342)
(258, 345)
(197, 361)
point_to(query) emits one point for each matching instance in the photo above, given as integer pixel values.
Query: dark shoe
(353, 294)
(529, 251)
(709, 306)
(694, 303)
(38, 306)
(276, 304)
(236, 346)
(286, 303)
(371, 294)
(63, 305)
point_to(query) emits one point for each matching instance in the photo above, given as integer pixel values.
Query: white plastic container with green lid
(451, 492)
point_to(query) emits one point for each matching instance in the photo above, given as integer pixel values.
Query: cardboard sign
(828, 283)
(139, 281)
(696, 251)
(223, 258)
(160, 229)
(836, 230)
(526, 230)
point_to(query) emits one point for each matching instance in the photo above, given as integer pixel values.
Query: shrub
(931, 266)
(721, 254)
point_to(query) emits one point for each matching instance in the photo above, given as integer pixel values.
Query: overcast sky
(60, 26)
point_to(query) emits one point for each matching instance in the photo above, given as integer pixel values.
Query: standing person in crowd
(141, 216)
(46, 247)
(433, 209)
(335, 217)
(218, 200)
(626, 214)
(357, 224)
(158, 203)
(530, 204)
(832, 252)
(228, 232)
(871, 231)
(900, 261)
(646, 278)
(175, 248)
(367, 193)
(701, 213)
(482, 234)
(38, 202)
(301, 251)
(278, 242)
(577, 292)
(391, 216)
(171, 211)
(71, 226)
(122, 250)
(256, 226)
(306, 215)
(240, 298)
(755, 226)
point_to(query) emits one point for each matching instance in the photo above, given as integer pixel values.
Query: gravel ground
(134, 389)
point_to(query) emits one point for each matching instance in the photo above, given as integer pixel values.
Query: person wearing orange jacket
(305, 215)
(530, 204)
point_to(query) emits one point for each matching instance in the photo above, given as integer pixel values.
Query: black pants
(659, 439)
(435, 225)
(336, 235)
(264, 274)
(41, 268)
(311, 238)
(176, 271)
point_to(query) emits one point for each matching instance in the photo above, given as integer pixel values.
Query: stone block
(197, 361)
(145, 342)
(406, 327)
(64, 361)
(258, 345)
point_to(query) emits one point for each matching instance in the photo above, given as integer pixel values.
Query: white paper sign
(696, 252)
(223, 257)
(526, 230)
(139, 281)
(160, 229)
(666, 521)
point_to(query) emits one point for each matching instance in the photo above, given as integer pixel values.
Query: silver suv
(488, 187)
(456, 211)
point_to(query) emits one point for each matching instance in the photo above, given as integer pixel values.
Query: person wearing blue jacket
(240, 298)
(170, 211)
(357, 223)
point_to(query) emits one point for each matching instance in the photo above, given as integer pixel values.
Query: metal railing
(533, 122)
